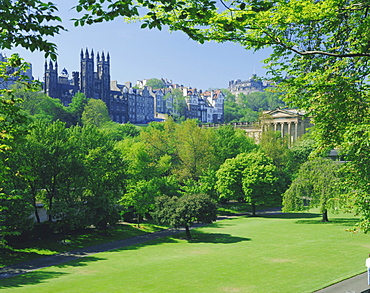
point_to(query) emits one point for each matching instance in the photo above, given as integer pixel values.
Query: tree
(155, 83)
(229, 142)
(77, 106)
(177, 104)
(249, 177)
(28, 24)
(95, 112)
(259, 181)
(195, 150)
(141, 195)
(317, 185)
(120, 131)
(184, 210)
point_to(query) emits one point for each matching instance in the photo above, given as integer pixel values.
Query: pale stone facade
(290, 122)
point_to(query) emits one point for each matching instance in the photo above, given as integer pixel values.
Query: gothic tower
(51, 79)
(87, 74)
(103, 76)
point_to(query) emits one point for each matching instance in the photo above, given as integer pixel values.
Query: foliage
(259, 181)
(155, 83)
(245, 108)
(318, 184)
(184, 210)
(175, 100)
(194, 148)
(95, 112)
(77, 106)
(118, 131)
(12, 120)
(185, 148)
(356, 153)
(76, 172)
(229, 142)
(28, 24)
(141, 195)
(301, 150)
(14, 215)
(248, 177)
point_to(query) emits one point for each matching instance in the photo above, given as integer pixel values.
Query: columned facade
(290, 122)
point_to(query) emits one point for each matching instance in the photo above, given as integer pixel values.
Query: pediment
(284, 113)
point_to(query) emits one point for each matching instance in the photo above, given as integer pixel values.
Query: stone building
(5, 84)
(124, 103)
(290, 122)
(246, 87)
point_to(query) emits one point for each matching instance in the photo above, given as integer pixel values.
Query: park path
(356, 284)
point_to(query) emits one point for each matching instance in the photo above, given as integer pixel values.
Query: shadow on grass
(215, 238)
(290, 215)
(29, 279)
(38, 276)
(335, 221)
(78, 239)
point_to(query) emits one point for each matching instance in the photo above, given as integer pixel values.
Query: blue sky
(142, 54)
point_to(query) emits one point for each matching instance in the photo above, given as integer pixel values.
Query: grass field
(277, 253)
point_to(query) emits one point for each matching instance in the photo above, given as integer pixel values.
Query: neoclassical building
(290, 122)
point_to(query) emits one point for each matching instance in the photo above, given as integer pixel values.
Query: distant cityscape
(139, 103)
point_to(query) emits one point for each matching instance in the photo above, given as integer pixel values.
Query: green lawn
(58, 243)
(277, 253)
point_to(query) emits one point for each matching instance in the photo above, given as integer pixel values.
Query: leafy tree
(229, 142)
(259, 181)
(155, 83)
(12, 120)
(318, 185)
(301, 150)
(120, 131)
(258, 101)
(28, 24)
(356, 153)
(184, 210)
(95, 112)
(13, 125)
(194, 148)
(55, 161)
(277, 148)
(77, 106)
(248, 177)
(205, 184)
(178, 102)
(141, 195)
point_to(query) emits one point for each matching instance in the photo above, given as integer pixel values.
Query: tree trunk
(188, 236)
(50, 207)
(253, 209)
(325, 216)
(37, 215)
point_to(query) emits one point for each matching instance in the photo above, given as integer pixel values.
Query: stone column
(289, 133)
(296, 130)
(282, 129)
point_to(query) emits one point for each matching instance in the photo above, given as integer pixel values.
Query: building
(5, 84)
(246, 87)
(124, 103)
(291, 123)
(140, 104)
